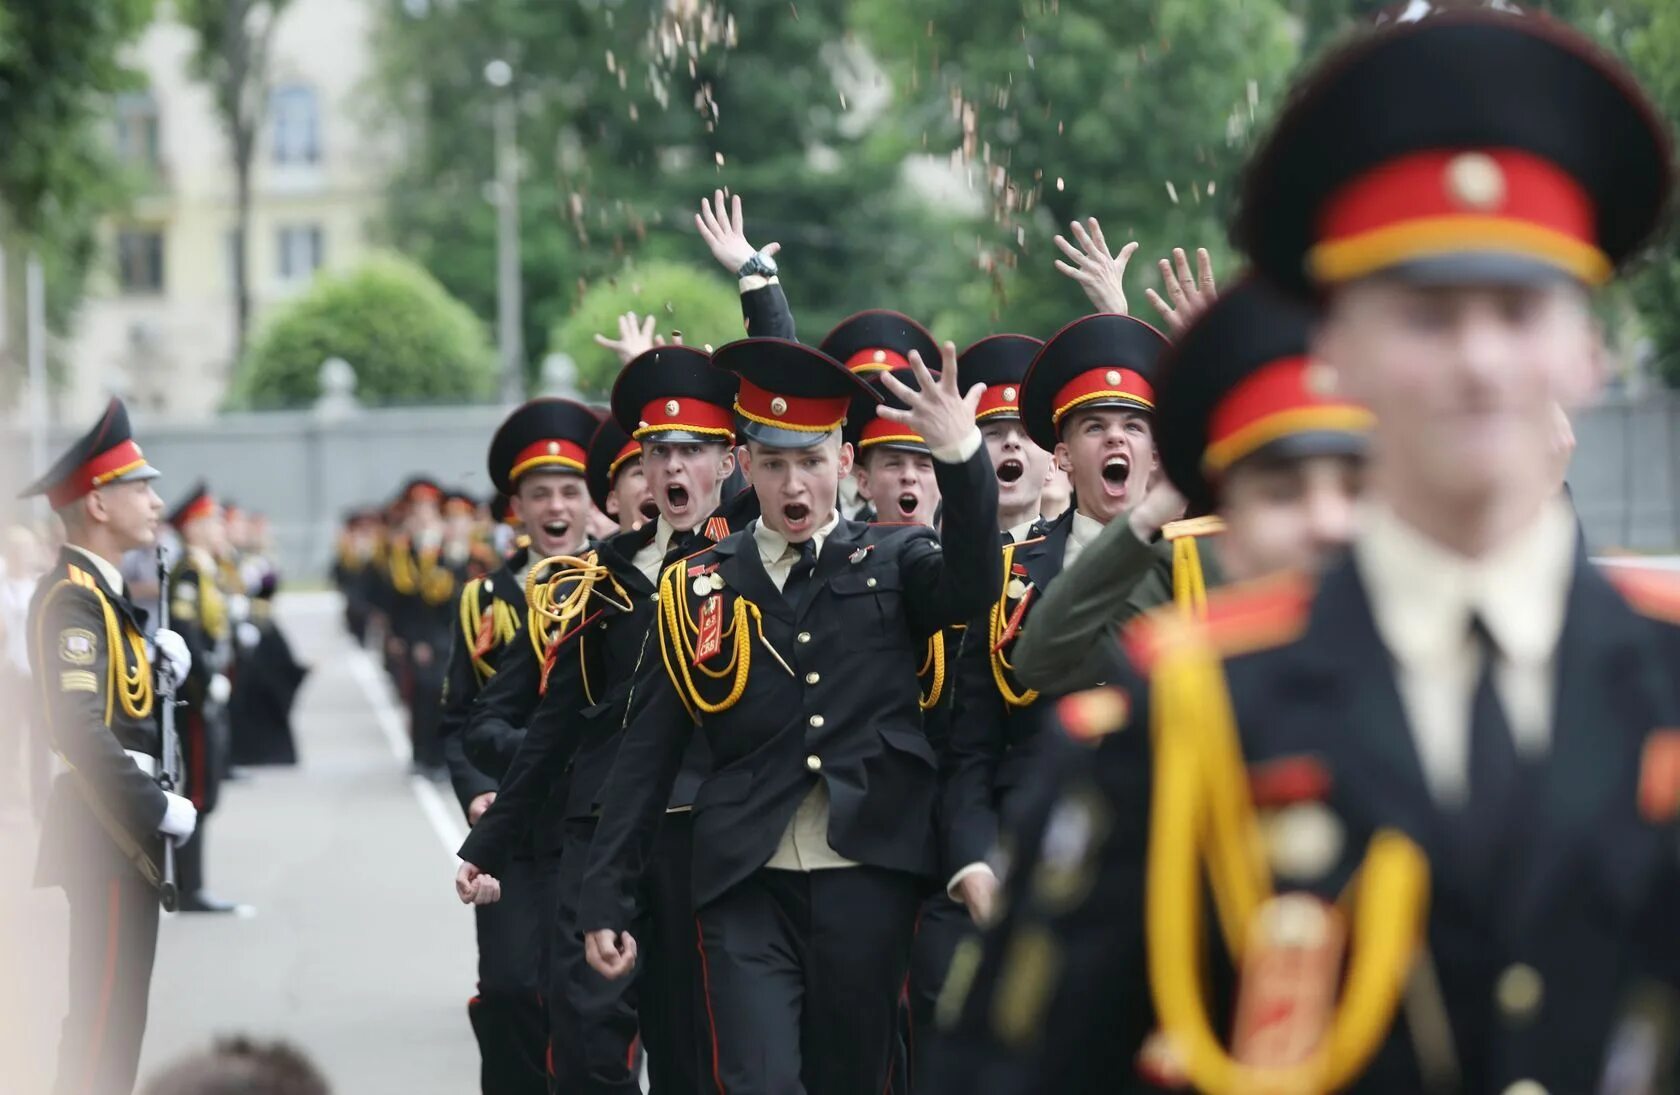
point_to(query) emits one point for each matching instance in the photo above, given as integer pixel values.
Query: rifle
(168, 893)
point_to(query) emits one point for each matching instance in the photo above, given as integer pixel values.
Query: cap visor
(144, 471)
(774, 437)
(1477, 268)
(683, 437)
(1309, 443)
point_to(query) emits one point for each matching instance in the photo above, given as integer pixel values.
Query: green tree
(699, 304)
(231, 53)
(406, 337)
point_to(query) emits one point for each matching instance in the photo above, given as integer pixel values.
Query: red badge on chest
(711, 628)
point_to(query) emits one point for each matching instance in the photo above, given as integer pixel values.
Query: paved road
(358, 953)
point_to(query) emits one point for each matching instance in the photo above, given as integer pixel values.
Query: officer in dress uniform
(1249, 427)
(1087, 397)
(536, 458)
(199, 610)
(793, 645)
(1000, 362)
(1461, 732)
(672, 411)
(107, 817)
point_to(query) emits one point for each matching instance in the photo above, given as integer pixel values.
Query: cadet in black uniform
(107, 818)
(537, 458)
(678, 410)
(1463, 709)
(421, 598)
(1088, 396)
(1000, 362)
(199, 609)
(794, 646)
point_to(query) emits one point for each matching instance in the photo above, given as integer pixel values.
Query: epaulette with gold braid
(1210, 525)
(1648, 591)
(1240, 619)
(1004, 624)
(1087, 716)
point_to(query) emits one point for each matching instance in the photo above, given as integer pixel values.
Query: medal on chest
(710, 639)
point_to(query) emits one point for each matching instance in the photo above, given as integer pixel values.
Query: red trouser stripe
(107, 985)
(706, 987)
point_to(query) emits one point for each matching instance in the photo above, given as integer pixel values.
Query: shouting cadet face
(899, 484)
(1464, 382)
(685, 478)
(554, 508)
(797, 488)
(1020, 466)
(1109, 455)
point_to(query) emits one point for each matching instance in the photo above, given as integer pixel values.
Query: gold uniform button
(1526, 1087)
(1519, 991)
(871, 583)
(812, 678)
(814, 763)
(804, 636)
(817, 721)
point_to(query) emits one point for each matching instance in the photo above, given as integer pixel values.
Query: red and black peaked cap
(611, 450)
(879, 340)
(672, 393)
(105, 454)
(791, 396)
(1000, 362)
(548, 434)
(1098, 361)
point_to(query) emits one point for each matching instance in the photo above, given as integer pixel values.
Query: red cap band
(108, 465)
(1288, 396)
(877, 360)
(203, 506)
(631, 448)
(1450, 202)
(687, 415)
(884, 431)
(1111, 383)
(557, 453)
(999, 400)
(789, 412)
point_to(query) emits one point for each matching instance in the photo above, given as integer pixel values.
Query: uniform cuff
(754, 282)
(961, 451)
(956, 879)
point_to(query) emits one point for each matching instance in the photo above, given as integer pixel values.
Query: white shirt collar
(113, 577)
(1423, 594)
(772, 545)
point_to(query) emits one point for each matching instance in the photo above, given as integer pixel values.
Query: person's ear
(726, 465)
(94, 509)
(1064, 462)
(846, 459)
(743, 456)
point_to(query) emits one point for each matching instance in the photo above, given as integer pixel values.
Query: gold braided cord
(468, 616)
(678, 649)
(555, 615)
(400, 565)
(999, 620)
(934, 663)
(1189, 584)
(437, 583)
(1198, 764)
(131, 687)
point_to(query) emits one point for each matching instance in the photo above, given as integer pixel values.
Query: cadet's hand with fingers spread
(939, 412)
(634, 338)
(1190, 294)
(1099, 273)
(725, 231)
(611, 954)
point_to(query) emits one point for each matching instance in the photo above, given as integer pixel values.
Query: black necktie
(799, 578)
(1494, 768)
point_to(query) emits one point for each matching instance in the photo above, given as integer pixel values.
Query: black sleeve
(968, 769)
(657, 728)
(950, 580)
(766, 313)
(70, 657)
(499, 716)
(538, 763)
(460, 689)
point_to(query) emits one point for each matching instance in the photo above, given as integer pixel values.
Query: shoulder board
(82, 578)
(1241, 619)
(1647, 590)
(1210, 525)
(1088, 716)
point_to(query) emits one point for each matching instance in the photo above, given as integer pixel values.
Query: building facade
(158, 324)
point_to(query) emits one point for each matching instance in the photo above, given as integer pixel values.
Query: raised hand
(1189, 294)
(724, 230)
(942, 415)
(634, 338)
(1099, 273)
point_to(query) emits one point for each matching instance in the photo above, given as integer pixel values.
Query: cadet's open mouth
(796, 511)
(677, 496)
(1010, 471)
(908, 503)
(556, 530)
(1117, 468)
(650, 509)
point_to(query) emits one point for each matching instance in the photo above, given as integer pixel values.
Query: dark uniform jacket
(490, 616)
(95, 688)
(824, 689)
(575, 731)
(422, 594)
(1535, 961)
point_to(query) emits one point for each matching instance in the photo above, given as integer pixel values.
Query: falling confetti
(1172, 192)
(1059, 186)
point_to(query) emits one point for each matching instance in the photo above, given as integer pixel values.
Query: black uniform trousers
(942, 925)
(803, 972)
(594, 1036)
(508, 1015)
(113, 942)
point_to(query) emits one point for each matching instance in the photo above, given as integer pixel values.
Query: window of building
(140, 260)
(137, 128)
(300, 250)
(295, 117)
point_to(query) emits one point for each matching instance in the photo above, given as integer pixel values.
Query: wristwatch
(759, 265)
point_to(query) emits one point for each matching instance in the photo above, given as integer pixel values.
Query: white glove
(249, 635)
(180, 820)
(220, 689)
(173, 650)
